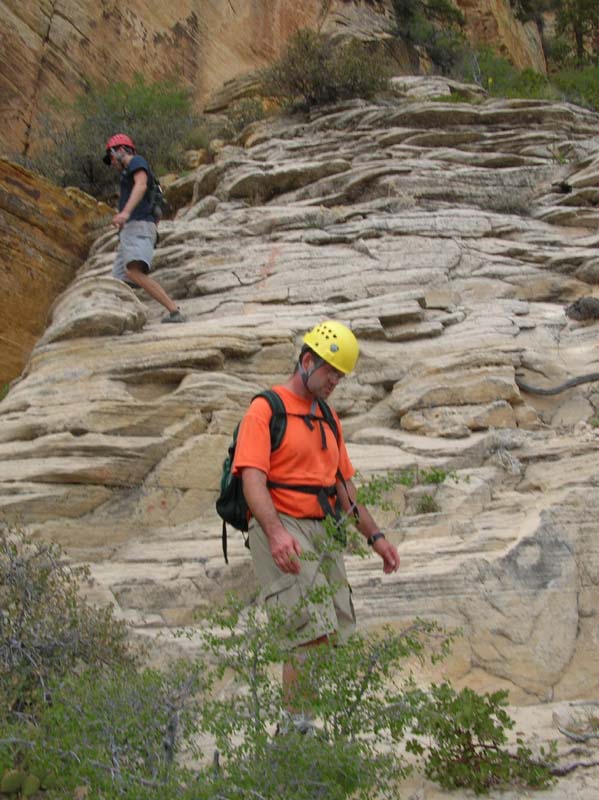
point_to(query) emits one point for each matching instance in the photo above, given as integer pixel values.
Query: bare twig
(567, 768)
(578, 737)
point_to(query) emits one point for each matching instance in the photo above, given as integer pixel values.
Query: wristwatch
(374, 537)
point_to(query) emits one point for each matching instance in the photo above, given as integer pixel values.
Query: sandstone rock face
(440, 233)
(492, 23)
(53, 51)
(45, 235)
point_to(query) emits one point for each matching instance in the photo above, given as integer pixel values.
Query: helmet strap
(306, 374)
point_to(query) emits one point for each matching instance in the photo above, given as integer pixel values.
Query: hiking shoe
(295, 723)
(174, 316)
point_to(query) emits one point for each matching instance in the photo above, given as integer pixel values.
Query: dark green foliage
(158, 117)
(46, 630)
(314, 71)
(579, 85)
(531, 10)
(242, 113)
(436, 26)
(502, 79)
(466, 741)
(578, 21)
(426, 504)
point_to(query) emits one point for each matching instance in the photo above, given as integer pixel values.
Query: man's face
(116, 157)
(323, 381)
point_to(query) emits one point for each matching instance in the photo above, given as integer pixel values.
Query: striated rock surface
(431, 229)
(45, 234)
(443, 234)
(54, 50)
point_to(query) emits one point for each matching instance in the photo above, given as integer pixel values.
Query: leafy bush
(241, 113)
(158, 117)
(208, 728)
(501, 79)
(313, 71)
(466, 732)
(579, 86)
(435, 26)
(46, 630)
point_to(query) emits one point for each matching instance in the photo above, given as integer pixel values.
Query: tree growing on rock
(578, 20)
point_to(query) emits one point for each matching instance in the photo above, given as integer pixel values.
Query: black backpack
(156, 197)
(231, 505)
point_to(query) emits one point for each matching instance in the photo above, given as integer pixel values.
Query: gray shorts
(306, 620)
(137, 240)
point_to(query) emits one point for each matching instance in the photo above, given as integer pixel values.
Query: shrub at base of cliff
(313, 71)
(579, 85)
(46, 629)
(434, 26)
(158, 117)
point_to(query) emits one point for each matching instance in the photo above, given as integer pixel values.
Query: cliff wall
(45, 233)
(52, 50)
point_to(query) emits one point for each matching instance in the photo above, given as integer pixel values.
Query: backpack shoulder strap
(329, 417)
(278, 420)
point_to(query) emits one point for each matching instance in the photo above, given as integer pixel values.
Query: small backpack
(156, 198)
(231, 505)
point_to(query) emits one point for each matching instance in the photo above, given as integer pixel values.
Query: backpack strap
(322, 493)
(278, 420)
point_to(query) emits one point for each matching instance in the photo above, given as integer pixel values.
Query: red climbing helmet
(118, 140)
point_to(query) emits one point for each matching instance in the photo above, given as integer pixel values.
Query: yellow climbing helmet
(335, 344)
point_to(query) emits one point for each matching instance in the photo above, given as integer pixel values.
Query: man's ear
(307, 361)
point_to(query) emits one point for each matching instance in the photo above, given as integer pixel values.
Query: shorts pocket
(286, 605)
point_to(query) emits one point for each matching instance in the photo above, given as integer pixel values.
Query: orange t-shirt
(299, 460)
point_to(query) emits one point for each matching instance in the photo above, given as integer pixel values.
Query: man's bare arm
(367, 526)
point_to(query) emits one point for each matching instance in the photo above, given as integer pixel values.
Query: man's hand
(120, 219)
(285, 550)
(388, 553)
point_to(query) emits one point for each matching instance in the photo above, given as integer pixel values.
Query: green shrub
(158, 117)
(579, 86)
(46, 629)
(466, 736)
(436, 27)
(207, 728)
(241, 113)
(426, 504)
(501, 79)
(314, 71)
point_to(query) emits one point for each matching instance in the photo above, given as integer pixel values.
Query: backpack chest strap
(322, 494)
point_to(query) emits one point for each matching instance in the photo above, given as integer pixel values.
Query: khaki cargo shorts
(306, 619)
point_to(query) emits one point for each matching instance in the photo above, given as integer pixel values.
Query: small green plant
(3, 390)
(242, 113)
(426, 504)
(314, 71)
(501, 79)
(436, 475)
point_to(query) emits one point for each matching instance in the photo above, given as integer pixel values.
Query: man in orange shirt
(287, 522)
